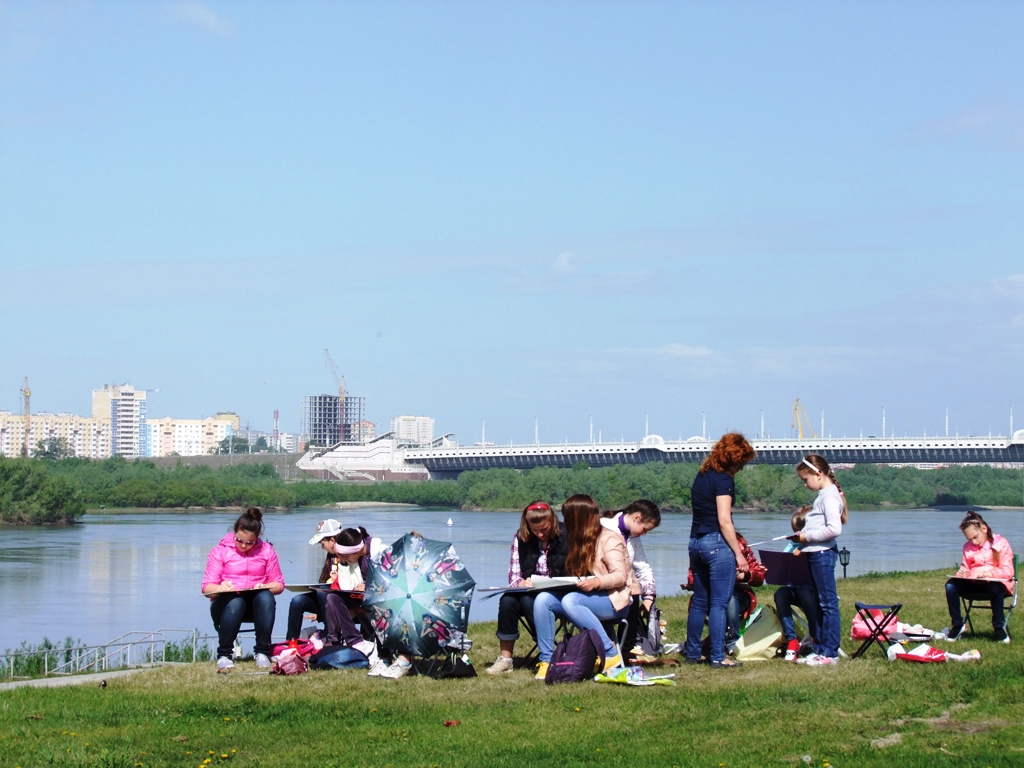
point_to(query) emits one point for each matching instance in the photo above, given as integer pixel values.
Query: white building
(189, 437)
(413, 429)
(125, 408)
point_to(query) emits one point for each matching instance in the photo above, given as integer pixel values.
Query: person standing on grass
(240, 562)
(822, 526)
(804, 596)
(598, 557)
(987, 568)
(635, 521)
(539, 548)
(716, 557)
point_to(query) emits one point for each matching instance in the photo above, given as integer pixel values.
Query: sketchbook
(540, 583)
(306, 587)
(785, 569)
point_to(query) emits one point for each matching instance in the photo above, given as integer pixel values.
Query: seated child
(804, 597)
(987, 566)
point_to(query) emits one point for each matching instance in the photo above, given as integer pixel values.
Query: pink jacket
(244, 569)
(993, 560)
(611, 566)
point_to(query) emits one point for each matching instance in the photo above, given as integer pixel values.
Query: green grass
(768, 713)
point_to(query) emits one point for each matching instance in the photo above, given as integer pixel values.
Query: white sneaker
(499, 667)
(397, 670)
(224, 665)
(377, 668)
(262, 662)
(369, 650)
(822, 661)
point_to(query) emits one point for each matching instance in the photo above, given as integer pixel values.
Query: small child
(987, 566)
(804, 597)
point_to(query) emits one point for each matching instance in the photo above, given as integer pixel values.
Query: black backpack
(577, 659)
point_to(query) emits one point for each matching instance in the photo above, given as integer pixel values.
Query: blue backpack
(338, 657)
(576, 659)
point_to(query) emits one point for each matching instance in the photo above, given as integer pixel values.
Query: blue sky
(510, 211)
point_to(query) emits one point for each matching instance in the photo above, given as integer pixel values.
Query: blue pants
(585, 610)
(230, 609)
(303, 603)
(510, 608)
(714, 575)
(803, 597)
(954, 588)
(827, 632)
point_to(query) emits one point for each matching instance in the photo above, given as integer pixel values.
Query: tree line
(60, 489)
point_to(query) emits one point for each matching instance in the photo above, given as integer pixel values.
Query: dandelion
(227, 719)
(577, 709)
(224, 756)
(372, 710)
(233, 751)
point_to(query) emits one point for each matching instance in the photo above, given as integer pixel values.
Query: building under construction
(332, 419)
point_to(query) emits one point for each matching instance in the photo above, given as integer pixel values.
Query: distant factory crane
(26, 412)
(799, 419)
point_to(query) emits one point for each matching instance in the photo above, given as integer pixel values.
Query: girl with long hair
(986, 569)
(597, 556)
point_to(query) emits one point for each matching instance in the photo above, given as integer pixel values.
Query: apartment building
(86, 437)
(413, 429)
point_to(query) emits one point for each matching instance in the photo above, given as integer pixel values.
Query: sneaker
(377, 668)
(502, 665)
(224, 665)
(954, 633)
(1002, 636)
(542, 671)
(398, 669)
(612, 663)
(262, 662)
(792, 651)
(369, 650)
(822, 661)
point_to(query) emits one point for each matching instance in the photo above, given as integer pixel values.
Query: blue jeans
(823, 574)
(714, 575)
(803, 597)
(585, 610)
(230, 609)
(510, 608)
(303, 603)
(998, 593)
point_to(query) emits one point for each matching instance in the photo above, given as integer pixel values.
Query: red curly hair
(729, 454)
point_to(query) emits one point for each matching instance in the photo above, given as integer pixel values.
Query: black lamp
(844, 559)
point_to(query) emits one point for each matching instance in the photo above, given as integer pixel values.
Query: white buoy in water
(450, 521)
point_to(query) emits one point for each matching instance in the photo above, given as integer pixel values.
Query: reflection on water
(140, 572)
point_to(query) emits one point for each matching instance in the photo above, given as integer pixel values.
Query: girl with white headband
(822, 527)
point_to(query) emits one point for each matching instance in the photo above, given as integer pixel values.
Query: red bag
(861, 631)
(930, 654)
(301, 647)
(289, 664)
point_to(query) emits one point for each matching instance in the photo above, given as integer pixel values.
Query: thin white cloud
(564, 264)
(1000, 124)
(201, 16)
(567, 274)
(683, 350)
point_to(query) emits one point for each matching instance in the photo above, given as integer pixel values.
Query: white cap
(327, 528)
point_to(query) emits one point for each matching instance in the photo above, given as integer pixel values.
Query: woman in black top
(716, 557)
(539, 548)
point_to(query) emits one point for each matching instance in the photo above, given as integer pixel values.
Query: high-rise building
(332, 419)
(125, 407)
(190, 437)
(413, 429)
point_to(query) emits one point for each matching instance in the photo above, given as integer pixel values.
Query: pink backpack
(289, 664)
(861, 631)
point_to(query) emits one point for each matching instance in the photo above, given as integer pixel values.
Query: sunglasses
(244, 543)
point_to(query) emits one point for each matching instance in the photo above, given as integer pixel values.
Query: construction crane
(799, 419)
(339, 380)
(26, 412)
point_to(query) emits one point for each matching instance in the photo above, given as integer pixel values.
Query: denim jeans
(714, 575)
(803, 597)
(510, 608)
(954, 587)
(584, 609)
(739, 603)
(823, 574)
(303, 603)
(230, 609)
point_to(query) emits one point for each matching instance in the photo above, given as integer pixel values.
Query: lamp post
(844, 559)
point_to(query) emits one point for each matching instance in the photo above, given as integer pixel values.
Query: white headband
(805, 461)
(341, 550)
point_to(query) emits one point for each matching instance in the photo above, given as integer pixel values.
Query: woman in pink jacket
(987, 567)
(598, 557)
(242, 576)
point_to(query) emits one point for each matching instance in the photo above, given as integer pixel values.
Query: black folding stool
(875, 626)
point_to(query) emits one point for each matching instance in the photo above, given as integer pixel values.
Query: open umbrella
(417, 595)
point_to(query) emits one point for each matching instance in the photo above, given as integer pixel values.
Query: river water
(117, 573)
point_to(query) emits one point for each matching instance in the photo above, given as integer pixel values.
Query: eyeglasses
(244, 543)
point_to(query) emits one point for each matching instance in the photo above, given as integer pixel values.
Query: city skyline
(532, 215)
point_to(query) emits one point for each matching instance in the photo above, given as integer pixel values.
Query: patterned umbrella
(417, 595)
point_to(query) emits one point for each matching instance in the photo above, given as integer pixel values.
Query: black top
(706, 487)
(529, 554)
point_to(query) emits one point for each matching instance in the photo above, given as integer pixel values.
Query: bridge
(386, 459)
